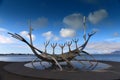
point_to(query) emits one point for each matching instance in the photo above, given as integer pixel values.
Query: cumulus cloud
(74, 20)
(65, 32)
(40, 22)
(49, 35)
(97, 16)
(25, 34)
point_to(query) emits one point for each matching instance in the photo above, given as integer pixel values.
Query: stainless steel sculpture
(54, 58)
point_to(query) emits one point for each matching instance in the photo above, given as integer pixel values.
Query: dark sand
(19, 72)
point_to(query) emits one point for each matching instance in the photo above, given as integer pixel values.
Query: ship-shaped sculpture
(54, 58)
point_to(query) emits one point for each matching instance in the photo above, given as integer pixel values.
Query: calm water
(17, 58)
(76, 65)
(105, 57)
(22, 58)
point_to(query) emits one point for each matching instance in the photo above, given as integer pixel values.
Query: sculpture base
(110, 73)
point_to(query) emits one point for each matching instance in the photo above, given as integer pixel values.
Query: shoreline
(112, 73)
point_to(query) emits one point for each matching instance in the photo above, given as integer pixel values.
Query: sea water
(23, 58)
(102, 57)
(17, 58)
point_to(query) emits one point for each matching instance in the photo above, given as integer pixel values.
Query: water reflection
(76, 64)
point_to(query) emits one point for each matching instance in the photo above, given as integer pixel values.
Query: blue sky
(60, 21)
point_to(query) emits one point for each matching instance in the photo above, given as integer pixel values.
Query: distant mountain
(115, 52)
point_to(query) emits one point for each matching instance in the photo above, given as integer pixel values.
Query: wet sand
(16, 71)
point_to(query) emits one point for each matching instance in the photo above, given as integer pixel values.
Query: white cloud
(5, 39)
(115, 39)
(67, 32)
(25, 34)
(74, 20)
(48, 35)
(3, 30)
(103, 47)
(40, 22)
(97, 16)
(56, 38)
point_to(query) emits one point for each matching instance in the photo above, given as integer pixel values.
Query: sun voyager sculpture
(67, 57)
